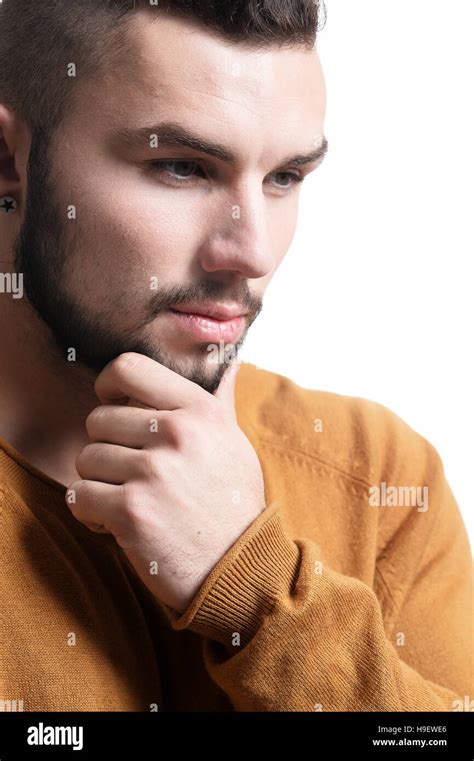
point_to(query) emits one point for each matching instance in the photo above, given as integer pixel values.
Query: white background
(374, 298)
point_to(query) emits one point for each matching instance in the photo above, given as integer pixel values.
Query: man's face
(118, 232)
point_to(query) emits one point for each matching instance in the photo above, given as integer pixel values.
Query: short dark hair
(39, 40)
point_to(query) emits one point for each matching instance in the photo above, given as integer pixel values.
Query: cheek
(126, 229)
(283, 227)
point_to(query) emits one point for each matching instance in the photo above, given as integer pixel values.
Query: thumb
(226, 390)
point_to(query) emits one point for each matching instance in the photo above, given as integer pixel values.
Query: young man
(176, 536)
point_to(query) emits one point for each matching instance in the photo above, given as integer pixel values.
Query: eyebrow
(172, 134)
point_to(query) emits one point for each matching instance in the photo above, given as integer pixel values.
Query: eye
(290, 179)
(180, 171)
(183, 172)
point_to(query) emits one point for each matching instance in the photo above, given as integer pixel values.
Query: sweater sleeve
(284, 632)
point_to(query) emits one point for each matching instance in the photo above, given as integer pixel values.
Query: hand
(175, 480)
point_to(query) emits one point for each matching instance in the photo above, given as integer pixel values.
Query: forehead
(177, 70)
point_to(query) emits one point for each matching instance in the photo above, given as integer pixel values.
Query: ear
(14, 149)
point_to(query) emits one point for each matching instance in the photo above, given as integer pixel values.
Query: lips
(220, 312)
(210, 322)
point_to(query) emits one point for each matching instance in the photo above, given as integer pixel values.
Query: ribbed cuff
(260, 568)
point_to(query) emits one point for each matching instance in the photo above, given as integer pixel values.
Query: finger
(126, 426)
(226, 390)
(109, 463)
(139, 377)
(135, 403)
(95, 504)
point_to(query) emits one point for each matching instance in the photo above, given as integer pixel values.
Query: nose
(240, 240)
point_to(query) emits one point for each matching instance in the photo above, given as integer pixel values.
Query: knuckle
(90, 452)
(129, 360)
(149, 463)
(129, 496)
(95, 418)
(182, 429)
(78, 499)
(77, 490)
(132, 502)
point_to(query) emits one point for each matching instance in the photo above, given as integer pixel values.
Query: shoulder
(361, 448)
(358, 436)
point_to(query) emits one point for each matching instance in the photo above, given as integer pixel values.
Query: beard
(41, 252)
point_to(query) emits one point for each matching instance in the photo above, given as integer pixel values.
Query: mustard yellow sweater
(338, 598)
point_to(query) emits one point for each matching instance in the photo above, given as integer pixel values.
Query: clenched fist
(175, 480)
